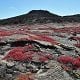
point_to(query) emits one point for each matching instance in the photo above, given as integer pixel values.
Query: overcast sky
(10, 8)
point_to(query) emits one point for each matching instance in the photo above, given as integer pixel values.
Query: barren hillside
(40, 46)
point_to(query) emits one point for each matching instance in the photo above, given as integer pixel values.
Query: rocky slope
(40, 52)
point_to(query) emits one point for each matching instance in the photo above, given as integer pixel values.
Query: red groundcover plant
(21, 54)
(67, 59)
